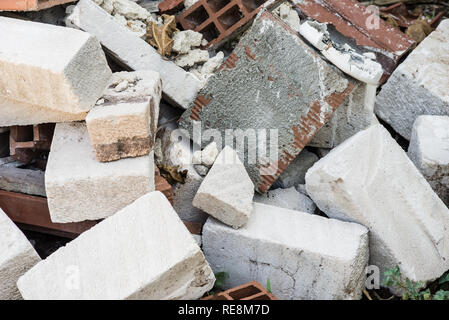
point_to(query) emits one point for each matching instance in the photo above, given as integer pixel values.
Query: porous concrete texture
(206, 156)
(144, 251)
(179, 86)
(22, 180)
(17, 256)
(429, 151)
(370, 180)
(296, 172)
(123, 124)
(355, 114)
(304, 256)
(227, 191)
(49, 67)
(419, 84)
(272, 80)
(81, 188)
(287, 198)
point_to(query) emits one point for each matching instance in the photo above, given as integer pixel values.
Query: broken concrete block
(81, 188)
(123, 124)
(419, 85)
(49, 67)
(206, 156)
(370, 180)
(227, 191)
(193, 57)
(296, 172)
(17, 256)
(354, 115)
(274, 82)
(144, 251)
(304, 256)
(179, 86)
(287, 198)
(22, 180)
(429, 151)
(184, 41)
(183, 195)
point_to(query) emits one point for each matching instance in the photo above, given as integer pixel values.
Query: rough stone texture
(124, 122)
(144, 251)
(355, 114)
(184, 41)
(272, 80)
(81, 188)
(287, 198)
(206, 156)
(296, 172)
(179, 86)
(419, 85)
(304, 256)
(429, 151)
(22, 180)
(369, 179)
(45, 67)
(227, 191)
(17, 256)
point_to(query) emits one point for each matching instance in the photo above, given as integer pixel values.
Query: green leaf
(441, 295)
(444, 279)
(268, 285)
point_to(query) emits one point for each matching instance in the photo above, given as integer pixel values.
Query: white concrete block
(429, 151)
(227, 191)
(144, 251)
(17, 256)
(123, 124)
(288, 199)
(51, 67)
(81, 188)
(179, 86)
(419, 85)
(370, 180)
(304, 256)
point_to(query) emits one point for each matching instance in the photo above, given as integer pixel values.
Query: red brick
(30, 5)
(250, 291)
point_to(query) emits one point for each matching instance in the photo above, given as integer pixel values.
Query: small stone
(192, 57)
(184, 41)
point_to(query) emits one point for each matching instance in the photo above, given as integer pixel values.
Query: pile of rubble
(177, 140)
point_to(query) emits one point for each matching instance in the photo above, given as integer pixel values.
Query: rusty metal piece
(25, 142)
(218, 20)
(250, 291)
(30, 5)
(354, 21)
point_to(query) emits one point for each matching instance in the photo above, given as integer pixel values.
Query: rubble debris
(163, 186)
(179, 86)
(22, 180)
(160, 36)
(30, 5)
(370, 180)
(193, 57)
(249, 291)
(71, 62)
(227, 191)
(355, 114)
(292, 249)
(270, 90)
(296, 172)
(288, 198)
(156, 258)
(430, 153)
(26, 142)
(124, 122)
(170, 6)
(357, 28)
(220, 20)
(17, 256)
(206, 156)
(419, 30)
(31, 213)
(289, 15)
(419, 84)
(184, 41)
(81, 188)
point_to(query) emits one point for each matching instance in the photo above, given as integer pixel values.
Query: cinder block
(81, 188)
(227, 191)
(287, 198)
(179, 86)
(123, 124)
(304, 256)
(48, 67)
(272, 80)
(370, 180)
(17, 256)
(144, 251)
(429, 151)
(419, 85)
